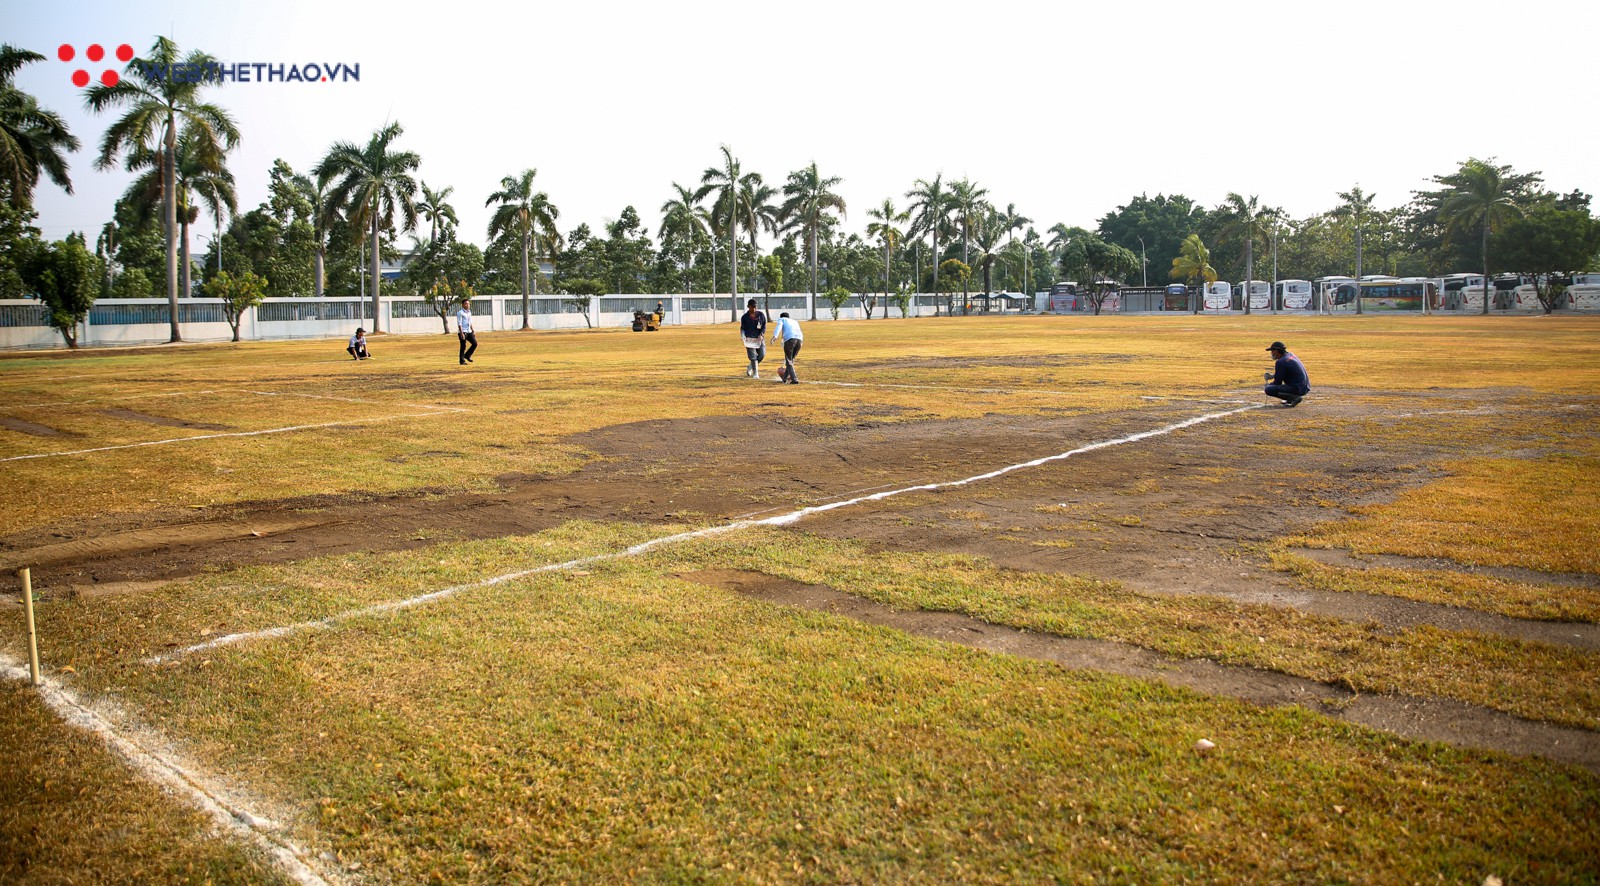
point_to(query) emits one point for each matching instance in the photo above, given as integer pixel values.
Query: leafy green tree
(769, 268)
(810, 200)
(1245, 221)
(370, 184)
(1548, 244)
(66, 277)
(449, 263)
(836, 297)
(628, 251)
(953, 275)
(18, 240)
(445, 294)
(1097, 265)
(527, 216)
(238, 295)
(969, 206)
(158, 106)
(33, 139)
(1193, 265)
(988, 234)
(930, 213)
(323, 214)
(683, 230)
(1481, 196)
(1162, 222)
(203, 179)
(583, 292)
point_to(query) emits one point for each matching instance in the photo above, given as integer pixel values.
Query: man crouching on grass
(1289, 381)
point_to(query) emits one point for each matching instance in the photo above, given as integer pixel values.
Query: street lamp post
(1144, 268)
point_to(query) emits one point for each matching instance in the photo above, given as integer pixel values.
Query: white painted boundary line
(176, 775)
(434, 410)
(780, 520)
(1025, 391)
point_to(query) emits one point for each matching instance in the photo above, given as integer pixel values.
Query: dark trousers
(358, 352)
(791, 350)
(469, 343)
(1283, 392)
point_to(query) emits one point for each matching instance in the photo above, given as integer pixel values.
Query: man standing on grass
(469, 342)
(1289, 381)
(753, 329)
(788, 332)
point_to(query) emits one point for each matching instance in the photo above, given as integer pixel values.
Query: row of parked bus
(1454, 292)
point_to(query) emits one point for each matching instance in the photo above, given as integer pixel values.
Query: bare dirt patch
(28, 427)
(163, 421)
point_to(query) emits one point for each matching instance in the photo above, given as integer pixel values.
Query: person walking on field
(469, 341)
(1289, 381)
(788, 331)
(753, 329)
(358, 345)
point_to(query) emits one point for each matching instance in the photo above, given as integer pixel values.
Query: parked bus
(1389, 294)
(1510, 291)
(1177, 298)
(1451, 290)
(1335, 292)
(1063, 297)
(1260, 295)
(1584, 292)
(1217, 296)
(1294, 295)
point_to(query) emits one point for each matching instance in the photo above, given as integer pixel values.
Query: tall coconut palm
(988, 234)
(1014, 221)
(1193, 265)
(969, 206)
(811, 201)
(683, 228)
(1246, 220)
(1480, 196)
(1357, 206)
(526, 215)
(201, 179)
(370, 184)
(435, 209)
(324, 212)
(887, 227)
(930, 210)
(733, 189)
(32, 139)
(158, 105)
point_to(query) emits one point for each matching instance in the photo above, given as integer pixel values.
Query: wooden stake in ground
(33, 638)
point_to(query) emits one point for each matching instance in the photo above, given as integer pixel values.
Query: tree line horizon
(326, 230)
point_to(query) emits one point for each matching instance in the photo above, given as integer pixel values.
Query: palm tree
(1246, 220)
(157, 107)
(1014, 221)
(929, 209)
(1357, 204)
(968, 203)
(435, 209)
(324, 212)
(1480, 196)
(527, 216)
(810, 201)
(683, 228)
(369, 184)
(988, 233)
(200, 177)
(1194, 264)
(888, 231)
(32, 139)
(733, 189)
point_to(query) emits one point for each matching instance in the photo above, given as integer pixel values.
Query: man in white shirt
(788, 331)
(469, 342)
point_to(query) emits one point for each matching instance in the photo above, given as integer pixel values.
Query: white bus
(1452, 290)
(1218, 296)
(1334, 293)
(1294, 295)
(1584, 293)
(1510, 292)
(1260, 295)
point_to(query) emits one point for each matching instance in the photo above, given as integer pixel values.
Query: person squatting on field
(788, 331)
(1289, 381)
(469, 342)
(753, 329)
(358, 345)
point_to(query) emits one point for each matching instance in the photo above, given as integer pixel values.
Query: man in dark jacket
(752, 328)
(1289, 381)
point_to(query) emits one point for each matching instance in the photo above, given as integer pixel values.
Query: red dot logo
(80, 77)
(109, 78)
(124, 53)
(95, 52)
(65, 53)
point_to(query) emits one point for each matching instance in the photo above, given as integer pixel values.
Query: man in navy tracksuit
(1290, 383)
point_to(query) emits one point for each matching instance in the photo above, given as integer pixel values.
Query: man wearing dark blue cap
(1289, 381)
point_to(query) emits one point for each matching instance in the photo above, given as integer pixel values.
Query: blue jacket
(752, 327)
(1291, 373)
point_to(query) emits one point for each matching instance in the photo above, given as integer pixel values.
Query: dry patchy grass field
(957, 608)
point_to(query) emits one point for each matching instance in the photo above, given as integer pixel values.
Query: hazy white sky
(614, 101)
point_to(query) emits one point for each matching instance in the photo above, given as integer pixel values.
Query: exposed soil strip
(130, 415)
(436, 410)
(1429, 719)
(27, 427)
(144, 540)
(163, 767)
(780, 520)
